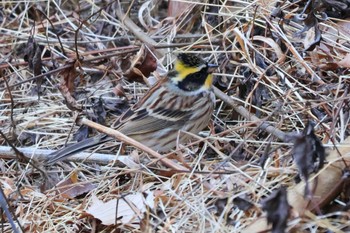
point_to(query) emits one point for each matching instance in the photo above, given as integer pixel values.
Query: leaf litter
(283, 67)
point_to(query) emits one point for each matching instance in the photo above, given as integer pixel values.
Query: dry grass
(270, 86)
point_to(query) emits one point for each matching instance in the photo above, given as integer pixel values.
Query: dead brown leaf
(176, 8)
(277, 208)
(345, 62)
(142, 65)
(71, 188)
(66, 88)
(69, 75)
(128, 209)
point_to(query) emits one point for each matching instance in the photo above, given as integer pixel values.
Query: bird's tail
(76, 148)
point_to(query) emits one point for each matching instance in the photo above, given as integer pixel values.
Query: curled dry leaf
(277, 208)
(336, 8)
(144, 14)
(241, 203)
(175, 8)
(33, 57)
(326, 184)
(65, 85)
(71, 187)
(312, 38)
(308, 154)
(69, 75)
(142, 65)
(129, 162)
(311, 21)
(128, 209)
(279, 53)
(100, 113)
(345, 62)
(118, 90)
(81, 134)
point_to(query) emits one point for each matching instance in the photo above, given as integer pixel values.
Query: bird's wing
(157, 110)
(145, 121)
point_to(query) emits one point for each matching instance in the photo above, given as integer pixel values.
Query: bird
(183, 100)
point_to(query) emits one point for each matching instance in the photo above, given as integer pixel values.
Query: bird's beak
(212, 68)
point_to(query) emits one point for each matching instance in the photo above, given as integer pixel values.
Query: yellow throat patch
(184, 70)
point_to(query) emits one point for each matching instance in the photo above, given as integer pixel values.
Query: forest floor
(272, 158)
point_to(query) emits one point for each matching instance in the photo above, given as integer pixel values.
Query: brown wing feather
(157, 110)
(130, 113)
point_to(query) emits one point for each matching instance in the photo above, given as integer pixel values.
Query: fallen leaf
(312, 39)
(129, 162)
(66, 87)
(277, 208)
(311, 20)
(81, 134)
(118, 90)
(243, 203)
(71, 187)
(142, 65)
(33, 57)
(100, 112)
(176, 8)
(274, 45)
(126, 210)
(345, 62)
(308, 153)
(69, 75)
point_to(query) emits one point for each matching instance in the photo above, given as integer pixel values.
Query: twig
(41, 154)
(5, 206)
(246, 114)
(13, 124)
(137, 31)
(169, 163)
(118, 135)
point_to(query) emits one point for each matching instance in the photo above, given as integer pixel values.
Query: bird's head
(192, 73)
